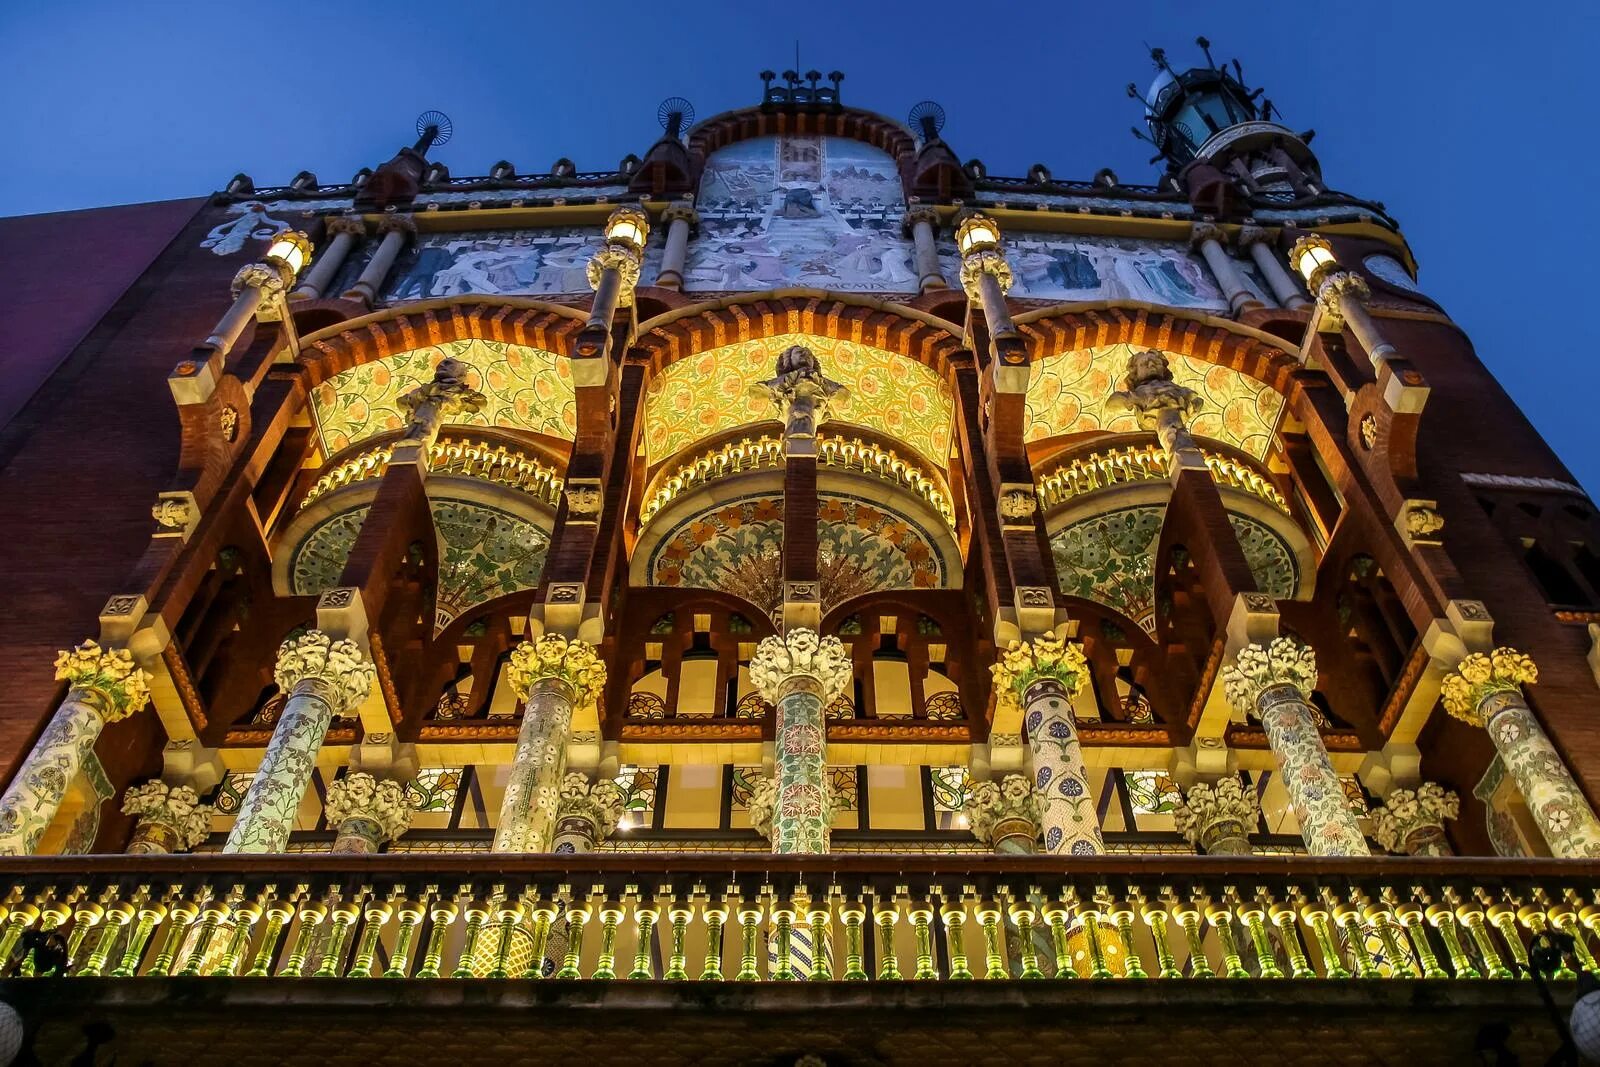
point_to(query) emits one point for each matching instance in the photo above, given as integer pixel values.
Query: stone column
(1210, 241)
(555, 676)
(1274, 684)
(921, 224)
(1004, 815)
(1159, 403)
(321, 678)
(1284, 288)
(1486, 690)
(1217, 818)
(170, 818)
(986, 278)
(1411, 821)
(394, 229)
(589, 813)
(1042, 677)
(801, 673)
(257, 288)
(344, 229)
(367, 812)
(683, 222)
(104, 686)
(613, 274)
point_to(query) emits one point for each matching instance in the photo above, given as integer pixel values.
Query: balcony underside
(244, 1022)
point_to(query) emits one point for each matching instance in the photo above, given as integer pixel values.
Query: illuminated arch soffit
(1110, 558)
(484, 552)
(1070, 392)
(710, 392)
(736, 546)
(525, 389)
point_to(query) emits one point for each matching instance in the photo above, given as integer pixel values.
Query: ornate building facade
(794, 558)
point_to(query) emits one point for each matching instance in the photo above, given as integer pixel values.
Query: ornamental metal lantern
(977, 233)
(1313, 257)
(289, 251)
(629, 227)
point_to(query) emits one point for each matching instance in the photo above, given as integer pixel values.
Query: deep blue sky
(1473, 122)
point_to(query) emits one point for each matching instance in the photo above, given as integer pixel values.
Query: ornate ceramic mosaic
(1110, 559)
(1068, 393)
(485, 553)
(737, 547)
(710, 392)
(526, 388)
(1151, 792)
(434, 789)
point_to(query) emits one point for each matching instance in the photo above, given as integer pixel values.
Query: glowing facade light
(628, 226)
(1313, 257)
(977, 233)
(289, 251)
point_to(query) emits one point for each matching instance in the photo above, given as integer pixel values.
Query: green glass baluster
(1133, 967)
(783, 931)
(1166, 962)
(819, 919)
(411, 912)
(443, 913)
(1221, 920)
(210, 918)
(853, 914)
(644, 916)
(577, 919)
(245, 916)
(1472, 918)
(377, 916)
(1332, 965)
(886, 916)
(344, 920)
(716, 918)
(1055, 917)
(678, 960)
(1444, 921)
(1504, 920)
(150, 915)
(181, 916)
(749, 937)
(955, 922)
(1415, 924)
(993, 944)
(922, 926)
(279, 912)
(544, 917)
(477, 913)
(1189, 919)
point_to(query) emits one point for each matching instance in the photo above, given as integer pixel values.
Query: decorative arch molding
(1251, 352)
(514, 320)
(731, 127)
(882, 324)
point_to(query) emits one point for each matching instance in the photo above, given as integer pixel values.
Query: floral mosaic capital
(1258, 668)
(990, 805)
(1205, 805)
(359, 795)
(1405, 811)
(105, 678)
(1045, 658)
(598, 802)
(800, 654)
(1480, 676)
(176, 807)
(314, 656)
(551, 656)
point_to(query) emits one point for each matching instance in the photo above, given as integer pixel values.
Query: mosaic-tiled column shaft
(1217, 818)
(1274, 683)
(1486, 690)
(321, 678)
(1411, 821)
(801, 674)
(1004, 815)
(105, 686)
(170, 818)
(557, 676)
(589, 813)
(1042, 676)
(366, 812)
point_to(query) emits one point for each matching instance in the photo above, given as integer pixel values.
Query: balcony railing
(484, 460)
(1146, 463)
(767, 918)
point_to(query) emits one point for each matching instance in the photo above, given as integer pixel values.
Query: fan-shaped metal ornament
(927, 115)
(675, 105)
(439, 123)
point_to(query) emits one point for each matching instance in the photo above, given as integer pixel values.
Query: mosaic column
(801, 674)
(321, 678)
(103, 686)
(366, 812)
(1042, 677)
(1217, 818)
(394, 229)
(344, 229)
(1209, 239)
(170, 818)
(1486, 690)
(683, 222)
(589, 813)
(1411, 821)
(555, 676)
(1283, 286)
(921, 224)
(1274, 684)
(1004, 815)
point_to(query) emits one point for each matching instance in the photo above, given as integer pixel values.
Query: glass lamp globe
(978, 233)
(1585, 1025)
(1313, 257)
(628, 226)
(290, 250)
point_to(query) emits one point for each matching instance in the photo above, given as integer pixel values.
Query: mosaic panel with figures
(1070, 392)
(1110, 559)
(711, 392)
(1078, 268)
(484, 553)
(525, 389)
(737, 547)
(496, 263)
(800, 210)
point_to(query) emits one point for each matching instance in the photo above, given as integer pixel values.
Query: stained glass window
(638, 785)
(745, 780)
(949, 786)
(1151, 792)
(434, 789)
(843, 783)
(230, 794)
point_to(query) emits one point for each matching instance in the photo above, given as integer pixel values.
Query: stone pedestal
(801, 674)
(1486, 690)
(1217, 818)
(366, 812)
(1042, 676)
(1274, 684)
(104, 686)
(555, 676)
(321, 678)
(170, 818)
(1411, 821)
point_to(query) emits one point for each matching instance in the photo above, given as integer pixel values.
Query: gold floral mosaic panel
(710, 392)
(526, 389)
(1068, 393)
